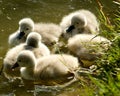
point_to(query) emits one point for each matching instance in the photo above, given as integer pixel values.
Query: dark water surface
(11, 11)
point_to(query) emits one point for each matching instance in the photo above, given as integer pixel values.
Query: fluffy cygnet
(50, 32)
(33, 43)
(88, 46)
(56, 68)
(81, 21)
(26, 25)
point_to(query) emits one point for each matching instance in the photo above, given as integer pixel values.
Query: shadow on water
(20, 88)
(11, 11)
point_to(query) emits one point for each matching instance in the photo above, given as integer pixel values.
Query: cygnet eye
(19, 60)
(27, 28)
(77, 23)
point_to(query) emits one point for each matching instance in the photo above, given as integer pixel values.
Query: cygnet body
(78, 22)
(49, 68)
(33, 43)
(50, 32)
(88, 46)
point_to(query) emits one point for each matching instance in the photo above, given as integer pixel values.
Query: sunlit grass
(107, 80)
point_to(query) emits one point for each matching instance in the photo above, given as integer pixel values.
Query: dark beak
(20, 35)
(70, 28)
(15, 66)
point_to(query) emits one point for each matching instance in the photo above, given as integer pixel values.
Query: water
(11, 11)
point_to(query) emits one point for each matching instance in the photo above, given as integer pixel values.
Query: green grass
(107, 80)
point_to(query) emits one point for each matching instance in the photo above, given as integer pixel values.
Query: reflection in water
(11, 11)
(18, 88)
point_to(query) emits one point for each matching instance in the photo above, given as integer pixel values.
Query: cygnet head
(77, 21)
(33, 39)
(26, 25)
(25, 59)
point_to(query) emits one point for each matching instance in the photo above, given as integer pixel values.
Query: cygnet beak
(21, 34)
(15, 66)
(70, 28)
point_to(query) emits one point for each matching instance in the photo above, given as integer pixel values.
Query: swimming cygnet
(88, 47)
(78, 22)
(54, 68)
(33, 43)
(50, 32)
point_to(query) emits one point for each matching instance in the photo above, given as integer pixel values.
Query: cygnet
(53, 68)
(88, 47)
(79, 22)
(33, 43)
(50, 32)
